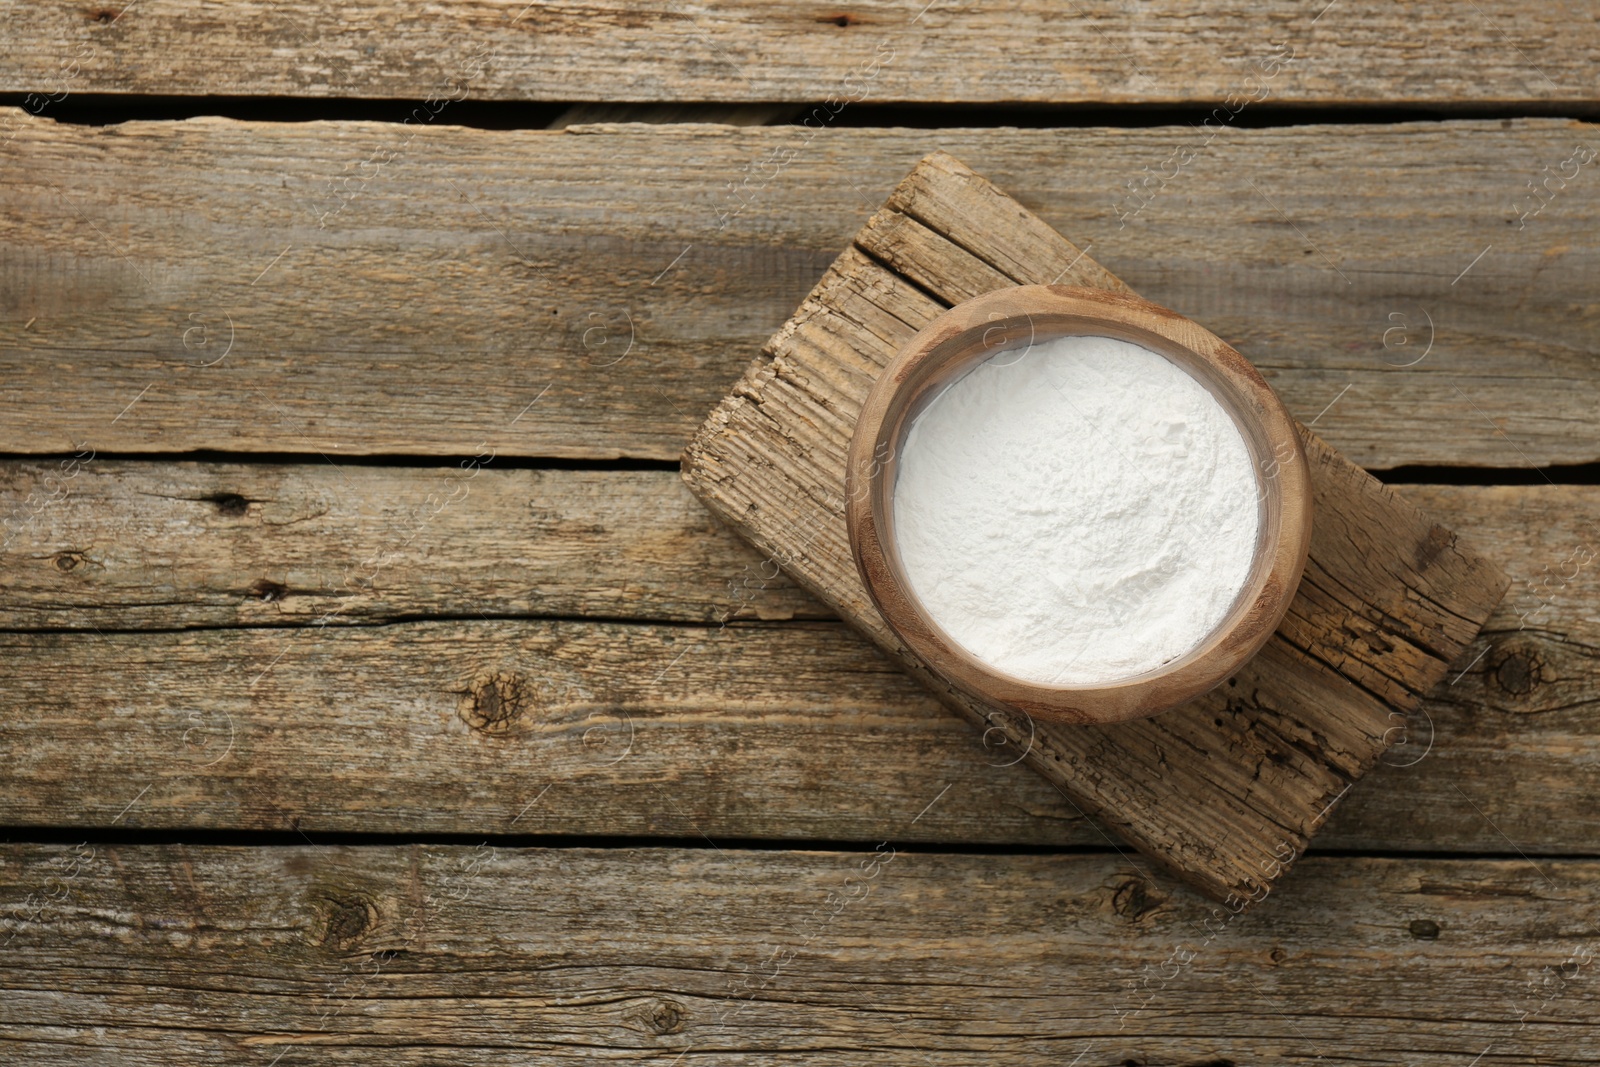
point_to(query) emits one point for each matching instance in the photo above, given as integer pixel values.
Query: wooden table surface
(376, 692)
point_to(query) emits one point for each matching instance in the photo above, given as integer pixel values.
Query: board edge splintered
(1225, 792)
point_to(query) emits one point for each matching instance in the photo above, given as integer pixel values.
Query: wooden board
(587, 273)
(671, 731)
(289, 641)
(1225, 791)
(147, 549)
(1097, 51)
(118, 545)
(428, 954)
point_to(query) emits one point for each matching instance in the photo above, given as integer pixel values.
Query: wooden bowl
(971, 332)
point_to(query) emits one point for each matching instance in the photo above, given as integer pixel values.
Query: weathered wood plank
(1506, 748)
(130, 546)
(146, 549)
(396, 729)
(305, 955)
(618, 279)
(1361, 51)
(81, 543)
(937, 204)
(1224, 791)
(120, 545)
(463, 726)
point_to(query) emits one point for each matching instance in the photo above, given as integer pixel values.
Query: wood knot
(67, 561)
(1438, 540)
(1424, 929)
(1518, 671)
(231, 504)
(661, 1016)
(345, 920)
(265, 589)
(1133, 900)
(496, 703)
(841, 20)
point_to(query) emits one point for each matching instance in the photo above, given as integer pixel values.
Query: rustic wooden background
(375, 691)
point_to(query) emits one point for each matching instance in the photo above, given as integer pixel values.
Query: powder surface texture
(1076, 512)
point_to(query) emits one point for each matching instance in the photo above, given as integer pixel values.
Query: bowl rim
(976, 329)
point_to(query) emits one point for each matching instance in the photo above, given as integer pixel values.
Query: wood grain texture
(620, 278)
(1514, 735)
(1509, 738)
(422, 954)
(129, 545)
(1097, 51)
(650, 730)
(1224, 791)
(753, 731)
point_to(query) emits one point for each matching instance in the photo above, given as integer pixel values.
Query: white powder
(1078, 512)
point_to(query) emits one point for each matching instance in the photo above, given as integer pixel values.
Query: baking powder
(1077, 512)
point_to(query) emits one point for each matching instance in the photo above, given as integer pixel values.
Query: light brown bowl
(977, 329)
